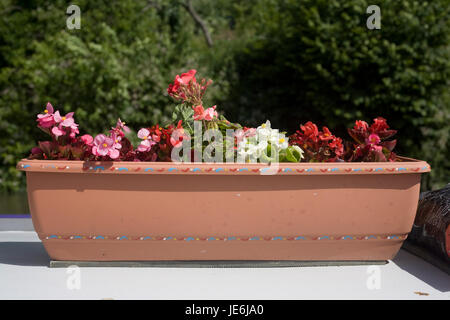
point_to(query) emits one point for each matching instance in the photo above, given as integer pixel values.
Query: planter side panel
(86, 216)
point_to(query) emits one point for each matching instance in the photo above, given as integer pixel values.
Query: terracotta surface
(199, 211)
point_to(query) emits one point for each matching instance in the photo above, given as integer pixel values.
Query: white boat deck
(24, 274)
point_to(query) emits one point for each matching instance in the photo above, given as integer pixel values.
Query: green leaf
(292, 154)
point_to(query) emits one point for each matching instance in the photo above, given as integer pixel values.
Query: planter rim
(407, 165)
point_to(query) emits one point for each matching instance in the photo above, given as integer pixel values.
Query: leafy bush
(116, 65)
(291, 61)
(316, 60)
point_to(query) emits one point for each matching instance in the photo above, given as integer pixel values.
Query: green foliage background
(288, 61)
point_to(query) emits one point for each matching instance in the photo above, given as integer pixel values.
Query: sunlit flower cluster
(245, 144)
(370, 142)
(60, 125)
(267, 145)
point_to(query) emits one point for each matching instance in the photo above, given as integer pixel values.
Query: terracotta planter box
(136, 211)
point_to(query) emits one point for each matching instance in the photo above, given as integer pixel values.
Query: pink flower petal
(46, 122)
(121, 124)
(102, 151)
(99, 139)
(113, 153)
(57, 131)
(57, 117)
(49, 108)
(143, 133)
(109, 142)
(146, 145)
(87, 139)
(175, 143)
(68, 122)
(142, 148)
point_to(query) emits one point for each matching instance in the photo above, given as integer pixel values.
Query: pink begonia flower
(87, 139)
(210, 113)
(47, 112)
(250, 132)
(74, 132)
(57, 131)
(121, 125)
(202, 114)
(178, 136)
(103, 146)
(176, 143)
(116, 138)
(143, 133)
(246, 132)
(240, 134)
(146, 145)
(198, 112)
(147, 142)
(46, 119)
(373, 139)
(66, 121)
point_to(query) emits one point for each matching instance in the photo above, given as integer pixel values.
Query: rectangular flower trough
(144, 211)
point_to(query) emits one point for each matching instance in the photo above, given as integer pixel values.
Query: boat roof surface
(25, 274)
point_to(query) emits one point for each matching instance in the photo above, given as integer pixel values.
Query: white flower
(249, 149)
(264, 131)
(265, 126)
(256, 147)
(279, 140)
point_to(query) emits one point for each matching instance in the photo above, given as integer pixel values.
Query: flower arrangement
(199, 133)
(318, 145)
